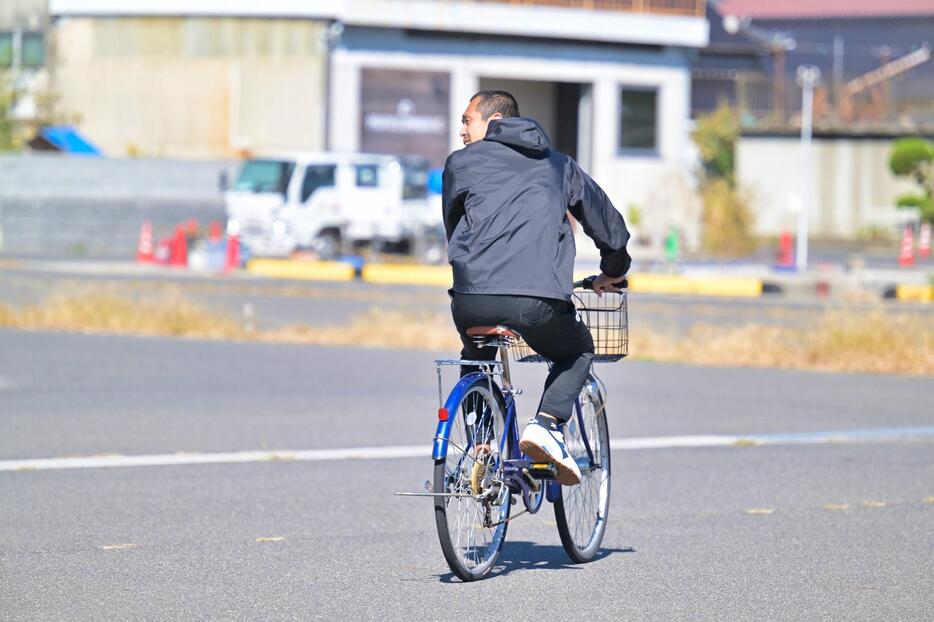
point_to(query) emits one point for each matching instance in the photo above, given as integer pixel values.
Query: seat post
(504, 359)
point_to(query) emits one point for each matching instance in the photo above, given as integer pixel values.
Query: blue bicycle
(479, 469)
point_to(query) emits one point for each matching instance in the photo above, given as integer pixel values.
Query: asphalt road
(838, 531)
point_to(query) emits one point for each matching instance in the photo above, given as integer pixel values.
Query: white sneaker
(545, 443)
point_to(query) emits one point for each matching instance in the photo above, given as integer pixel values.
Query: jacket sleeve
(601, 221)
(452, 198)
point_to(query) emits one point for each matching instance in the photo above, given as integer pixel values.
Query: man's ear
(496, 116)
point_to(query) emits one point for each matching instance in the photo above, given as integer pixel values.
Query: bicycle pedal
(543, 470)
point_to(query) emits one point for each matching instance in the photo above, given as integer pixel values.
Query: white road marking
(424, 451)
(837, 507)
(117, 547)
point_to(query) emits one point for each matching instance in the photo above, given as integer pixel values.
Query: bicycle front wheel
(473, 503)
(581, 510)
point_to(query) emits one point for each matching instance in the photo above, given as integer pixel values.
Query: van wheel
(326, 244)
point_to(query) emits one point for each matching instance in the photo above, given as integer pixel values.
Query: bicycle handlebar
(588, 283)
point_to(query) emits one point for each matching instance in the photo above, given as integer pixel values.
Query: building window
(33, 50)
(638, 120)
(6, 50)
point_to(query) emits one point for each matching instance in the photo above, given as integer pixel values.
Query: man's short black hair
(493, 101)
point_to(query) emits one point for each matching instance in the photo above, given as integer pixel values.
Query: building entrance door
(561, 108)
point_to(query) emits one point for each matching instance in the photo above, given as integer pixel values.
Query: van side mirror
(223, 182)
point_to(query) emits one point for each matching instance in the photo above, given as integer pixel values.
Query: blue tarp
(434, 180)
(69, 140)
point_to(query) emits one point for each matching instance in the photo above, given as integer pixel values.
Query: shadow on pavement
(519, 555)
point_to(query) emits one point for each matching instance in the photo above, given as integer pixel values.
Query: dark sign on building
(405, 113)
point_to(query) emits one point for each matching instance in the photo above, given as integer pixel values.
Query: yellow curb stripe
(915, 293)
(732, 287)
(401, 274)
(310, 270)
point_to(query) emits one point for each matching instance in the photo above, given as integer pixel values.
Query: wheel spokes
(474, 450)
(584, 504)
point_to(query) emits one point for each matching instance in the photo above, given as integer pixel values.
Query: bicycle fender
(443, 432)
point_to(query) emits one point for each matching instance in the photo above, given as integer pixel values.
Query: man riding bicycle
(506, 196)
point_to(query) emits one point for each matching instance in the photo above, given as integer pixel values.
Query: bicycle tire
(581, 511)
(460, 472)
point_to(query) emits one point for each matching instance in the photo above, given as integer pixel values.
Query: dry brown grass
(839, 341)
(105, 310)
(376, 328)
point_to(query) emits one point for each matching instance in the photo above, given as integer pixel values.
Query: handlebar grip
(588, 283)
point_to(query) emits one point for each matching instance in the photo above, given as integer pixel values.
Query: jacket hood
(519, 132)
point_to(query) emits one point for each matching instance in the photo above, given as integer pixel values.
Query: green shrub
(9, 134)
(634, 215)
(727, 220)
(715, 136)
(914, 157)
(909, 155)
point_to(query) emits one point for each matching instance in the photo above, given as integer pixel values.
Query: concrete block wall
(58, 206)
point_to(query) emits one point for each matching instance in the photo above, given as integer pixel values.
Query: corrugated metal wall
(193, 87)
(853, 187)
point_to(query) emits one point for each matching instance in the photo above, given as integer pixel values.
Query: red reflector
(442, 414)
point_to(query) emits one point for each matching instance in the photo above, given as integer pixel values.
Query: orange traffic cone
(786, 257)
(906, 258)
(179, 248)
(215, 235)
(233, 252)
(924, 240)
(145, 251)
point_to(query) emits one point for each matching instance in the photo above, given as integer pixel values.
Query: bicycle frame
(516, 464)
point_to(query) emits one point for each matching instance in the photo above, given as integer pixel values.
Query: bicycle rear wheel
(471, 518)
(581, 511)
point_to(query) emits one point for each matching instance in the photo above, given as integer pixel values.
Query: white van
(326, 202)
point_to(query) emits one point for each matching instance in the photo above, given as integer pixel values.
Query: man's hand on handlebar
(603, 283)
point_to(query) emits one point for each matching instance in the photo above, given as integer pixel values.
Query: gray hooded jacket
(505, 202)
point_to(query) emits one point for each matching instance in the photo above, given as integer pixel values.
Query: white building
(609, 80)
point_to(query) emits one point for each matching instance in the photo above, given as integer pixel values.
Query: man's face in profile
(473, 125)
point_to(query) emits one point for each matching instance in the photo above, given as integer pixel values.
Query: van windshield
(264, 176)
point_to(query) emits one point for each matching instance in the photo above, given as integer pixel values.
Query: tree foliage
(727, 217)
(727, 220)
(9, 131)
(715, 136)
(914, 157)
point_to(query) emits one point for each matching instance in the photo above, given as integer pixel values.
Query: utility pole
(837, 69)
(808, 77)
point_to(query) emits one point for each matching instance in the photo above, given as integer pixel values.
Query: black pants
(551, 328)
